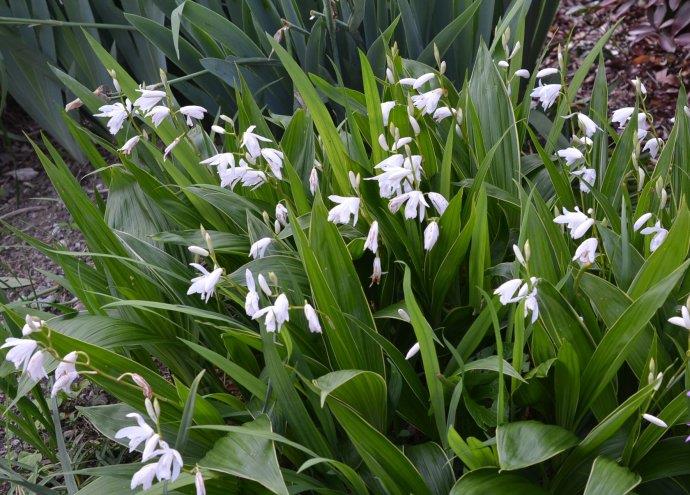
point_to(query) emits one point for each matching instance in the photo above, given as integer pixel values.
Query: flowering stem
(181, 79)
(55, 23)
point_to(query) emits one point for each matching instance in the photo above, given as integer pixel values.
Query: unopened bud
(403, 315)
(151, 410)
(198, 250)
(73, 105)
(273, 278)
(266, 217)
(227, 119)
(217, 129)
(442, 67)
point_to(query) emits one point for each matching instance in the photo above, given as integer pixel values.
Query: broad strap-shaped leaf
(607, 477)
(486, 481)
(525, 443)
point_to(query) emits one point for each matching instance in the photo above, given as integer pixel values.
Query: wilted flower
(346, 207)
(587, 177)
(158, 114)
(653, 146)
(655, 421)
(192, 112)
(149, 98)
(546, 94)
(129, 145)
(577, 222)
(20, 351)
(659, 234)
(250, 141)
(116, 113)
(65, 374)
(376, 271)
(427, 102)
(205, 284)
(312, 318)
(571, 155)
(258, 249)
(683, 320)
(413, 351)
(430, 235)
(587, 251)
(372, 242)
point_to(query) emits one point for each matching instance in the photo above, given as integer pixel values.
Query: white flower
(659, 234)
(263, 285)
(655, 421)
(427, 102)
(407, 81)
(258, 249)
(20, 352)
(274, 158)
(275, 315)
(639, 85)
(347, 206)
(438, 201)
(251, 303)
(198, 250)
(587, 125)
(430, 235)
(199, 484)
(415, 125)
(531, 305)
(519, 257)
(546, 94)
(150, 447)
(313, 181)
(622, 115)
(413, 351)
(144, 477)
(399, 143)
(442, 113)
(312, 318)
(641, 221)
(171, 146)
(169, 464)
(681, 321)
(158, 114)
(136, 434)
(35, 367)
(116, 113)
(282, 214)
(248, 176)
(506, 291)
(65, 374)
(31, 324)
(376, 271)
(423, 79)
(653, 146)
(503, 64)
(372, 242)
(392, 178)
(204, 284)
(546, 72)
(389, 73)
(587, 177)
(577, 222)
(218, 129)
(148, 99)
(250, 141)
(523, 73)
(224, 160)
(415, 204)
(571, 155)
(386, 108)
(587, 251)
(192, 112)
(129, 145)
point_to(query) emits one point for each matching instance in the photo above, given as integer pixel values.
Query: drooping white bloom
(220, 160)
(659, 234)
(372, 241)
(193, 112)
(423, 79)
(587, 178)
(312, 318)
(655, 421)
(263, 285)
(250, 141)
(430, 235)
(65, 374)
(547, 72)
(639, 85)
(546, 94)
(354, 180)
(35, 368)
(639, 223)
(171, 146)
(415, 204)
(275, 316)
(198, 250)
(20, 351)
(144, 477)
(506, 291)
(313, 181)
(586, 252)
(391, 180)
(376, 271)
(274, 158)
(386, 108)
(427, 102)
(415, 125)
(116, 113)
(169, 464)
(347, 206)
(523, 73)
(129, 145)
(158, 114)
(218, 129)
(282, 214)
(577, 222)
(407, 81)
(199, 484)
(258, 249)
(519, 257)
(243, 174)
(622, 116)
(438, 201)
(532, 305)
(587, 125)
(442, 113)
(413, 351)
(653, 146)
(31, 324)
(683, 320)
(149, 98)
(251, 302)
(136, 434)
(204, 284)
(150, 447)
(503, 64)
(399, 143)
(571, 155)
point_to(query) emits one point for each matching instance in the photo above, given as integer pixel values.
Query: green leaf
(525, 443)
(608, 478)
(489, 480)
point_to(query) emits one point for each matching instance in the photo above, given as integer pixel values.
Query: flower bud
(217, 129)
(403, 314)
(198, 250)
